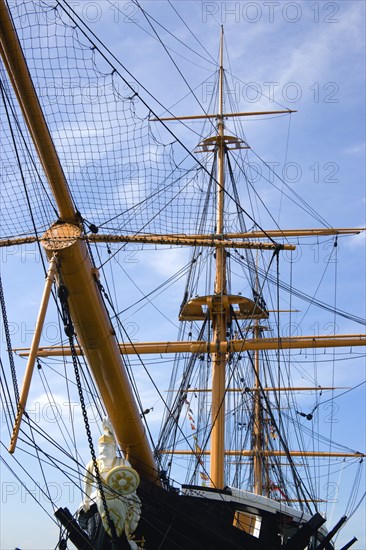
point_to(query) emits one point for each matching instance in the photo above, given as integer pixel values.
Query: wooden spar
(297, 232)
(225, 115)
(33, 353)
(76, 272)
(186, 241)
(225, 239)
(268, 453)
(283, 388)
(227, 346)
(164, 240)
(219, 315)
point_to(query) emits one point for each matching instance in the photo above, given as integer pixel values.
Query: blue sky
(307, 56)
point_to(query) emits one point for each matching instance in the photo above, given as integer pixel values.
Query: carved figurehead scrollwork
(120, 482)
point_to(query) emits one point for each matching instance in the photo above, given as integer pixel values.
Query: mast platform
(196, 308)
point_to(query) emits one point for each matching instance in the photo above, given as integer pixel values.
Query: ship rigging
(231, 383)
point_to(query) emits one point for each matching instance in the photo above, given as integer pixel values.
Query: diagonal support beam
(51, 274)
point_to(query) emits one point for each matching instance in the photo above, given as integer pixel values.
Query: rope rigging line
(250, 274)
(318, 436)
(171, 280)
(148, 17)
(306, 206)
(189, 153)
(303, 296)
(192, 33)
(147, 372)
(335, 254)
(126, 360)
(61, 467)
(23, 484)
(118, 108)
(7, 400)
(51, 401)
(258, 298)
(47, 492)
(69, 330)
(139, 84)
(299, 484)
(22, 175)
(115, 6)
(90, 440)
(21, 134)
(174, 411)
(138, 207)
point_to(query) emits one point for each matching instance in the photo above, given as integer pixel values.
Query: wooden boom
(226, 346)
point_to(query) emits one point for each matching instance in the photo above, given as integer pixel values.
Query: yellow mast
(75, 270)
(219, 313)
(257, 432)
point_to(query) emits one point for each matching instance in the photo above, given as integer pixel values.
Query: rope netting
(121, 176)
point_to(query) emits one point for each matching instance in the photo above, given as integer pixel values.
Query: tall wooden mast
(260, 464)
(257, 430)
(219, 320)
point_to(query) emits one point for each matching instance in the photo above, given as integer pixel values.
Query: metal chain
(90, 439)
(69, 330)
(8, 343)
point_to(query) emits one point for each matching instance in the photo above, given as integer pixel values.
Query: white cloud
(356, 149)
